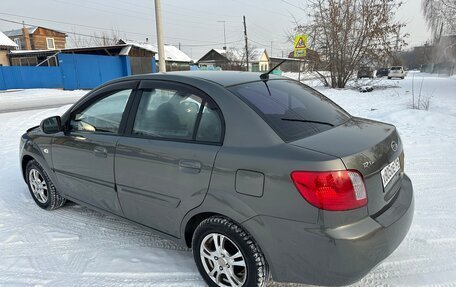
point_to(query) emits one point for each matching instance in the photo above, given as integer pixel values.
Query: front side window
(104, 115)
(293, 110)
(176, 114)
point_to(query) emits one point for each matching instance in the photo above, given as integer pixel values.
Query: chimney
(26, 35)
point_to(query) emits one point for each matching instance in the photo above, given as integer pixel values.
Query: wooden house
(37, 38)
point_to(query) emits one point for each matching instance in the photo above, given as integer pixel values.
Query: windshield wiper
(307, 121)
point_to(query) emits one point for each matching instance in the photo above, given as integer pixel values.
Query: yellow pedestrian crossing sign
(300, 46)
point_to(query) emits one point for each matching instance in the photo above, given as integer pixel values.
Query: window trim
(53, 43)
(162, 84)
(18, 43)
(98, 95)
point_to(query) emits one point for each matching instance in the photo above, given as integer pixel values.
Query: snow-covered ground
(74, 246)
(20, 100)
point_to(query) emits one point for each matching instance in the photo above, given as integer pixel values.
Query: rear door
(83, 155)
(164, 163)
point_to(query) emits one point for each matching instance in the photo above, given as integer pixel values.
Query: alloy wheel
(223, 261)
(38, 185)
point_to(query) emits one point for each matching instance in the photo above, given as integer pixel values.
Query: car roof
(224, 78)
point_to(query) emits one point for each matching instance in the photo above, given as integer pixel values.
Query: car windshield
(395, 68)
(292, 109)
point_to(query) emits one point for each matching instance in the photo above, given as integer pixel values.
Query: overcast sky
(192, 23)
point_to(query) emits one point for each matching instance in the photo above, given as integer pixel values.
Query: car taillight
(332, 190)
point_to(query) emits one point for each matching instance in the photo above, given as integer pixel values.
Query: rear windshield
(292, 109)
(396, 68)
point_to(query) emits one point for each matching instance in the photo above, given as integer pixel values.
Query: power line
(203, 45)
(130, 13)
(72, 24)
(292, 5)
(74, 33)
(107, 38)
(89, 27)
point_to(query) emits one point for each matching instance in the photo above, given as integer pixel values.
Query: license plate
(389, 171)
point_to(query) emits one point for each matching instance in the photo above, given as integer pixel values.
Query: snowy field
(74, 246)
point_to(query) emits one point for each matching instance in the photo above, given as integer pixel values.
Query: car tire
(389, 78)
(41, 187)
(225, 252)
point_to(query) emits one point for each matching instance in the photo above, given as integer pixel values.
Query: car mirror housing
(51, 125)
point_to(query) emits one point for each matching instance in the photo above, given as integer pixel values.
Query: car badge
(394, 146)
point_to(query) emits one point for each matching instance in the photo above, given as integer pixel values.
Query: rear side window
(177, 114)
(293, 110)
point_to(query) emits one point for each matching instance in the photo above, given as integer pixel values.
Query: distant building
(37, 38)
(176, 60)
(258, 60)
(141, 58)
(439, 57)
(220, 58)
(6, 45)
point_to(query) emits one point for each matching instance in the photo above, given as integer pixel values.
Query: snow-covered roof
(220, 51)
(6, 42)
(18, 32)
(145, 46)
(172, 53)
(31, 29)
(232, 54)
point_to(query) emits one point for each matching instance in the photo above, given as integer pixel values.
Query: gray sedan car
(262, 176)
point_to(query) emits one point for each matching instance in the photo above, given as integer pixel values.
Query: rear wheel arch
(193, 223)
(215, 204)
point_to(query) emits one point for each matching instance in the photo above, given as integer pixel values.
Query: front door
(83, 155)
(164, 163)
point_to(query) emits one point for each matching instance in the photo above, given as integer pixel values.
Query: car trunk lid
(366, 146)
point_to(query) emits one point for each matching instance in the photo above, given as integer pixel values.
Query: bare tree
(104, 38)
(440, 16)
(352, 33)
(238, 57)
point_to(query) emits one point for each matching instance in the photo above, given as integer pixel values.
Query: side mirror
(51, 125)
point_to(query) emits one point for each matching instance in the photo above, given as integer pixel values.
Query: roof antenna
(265, 76)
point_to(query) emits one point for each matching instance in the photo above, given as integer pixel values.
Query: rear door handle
(100, 151)
(191, 166)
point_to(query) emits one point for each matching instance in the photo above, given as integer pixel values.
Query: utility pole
(224, 32)
(246, 46)
(161, 47)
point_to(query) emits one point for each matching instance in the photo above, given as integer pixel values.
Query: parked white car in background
(396, 72)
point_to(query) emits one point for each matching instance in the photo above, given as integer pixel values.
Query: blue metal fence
(30, 77)
(89, 71)
(75, 71)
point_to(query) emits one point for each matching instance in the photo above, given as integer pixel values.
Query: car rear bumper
(306, 253)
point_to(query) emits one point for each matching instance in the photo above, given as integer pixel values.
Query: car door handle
(100, 151)
(191, 166)
(79, 138)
